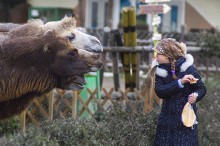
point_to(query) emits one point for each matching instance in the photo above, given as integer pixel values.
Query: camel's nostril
(95, 41)
(96, 57)
(95, 45)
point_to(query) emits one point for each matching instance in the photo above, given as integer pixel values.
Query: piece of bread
(188, 115)
(193, 81)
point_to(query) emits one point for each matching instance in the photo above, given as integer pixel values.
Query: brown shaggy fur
(37, 57)
(36, 27)
(24, 72)
(31, 66)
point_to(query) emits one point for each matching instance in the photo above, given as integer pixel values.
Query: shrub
(209, 115)
(34, 136)
(121, 125)
(9, 126)
(210, 43)
(117, 127)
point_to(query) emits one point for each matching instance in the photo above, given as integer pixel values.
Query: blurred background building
(185, 15)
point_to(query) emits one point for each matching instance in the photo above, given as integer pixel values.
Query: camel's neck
(16, 83)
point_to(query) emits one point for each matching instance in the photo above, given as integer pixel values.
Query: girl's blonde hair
(173, 50)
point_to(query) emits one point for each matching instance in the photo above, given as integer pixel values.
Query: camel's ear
(82, 29)
(49, 33)
(47, 48)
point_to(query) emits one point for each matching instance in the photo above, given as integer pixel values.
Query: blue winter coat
(170, 129)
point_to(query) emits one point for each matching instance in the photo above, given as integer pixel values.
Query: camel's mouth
(77, 83)
(80, 80)
(78, 86)
(91, 59)
(95, 64)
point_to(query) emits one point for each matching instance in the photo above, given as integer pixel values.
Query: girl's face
(162, 59)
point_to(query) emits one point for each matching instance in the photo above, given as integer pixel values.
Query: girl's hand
(192, 98)
(186, 78)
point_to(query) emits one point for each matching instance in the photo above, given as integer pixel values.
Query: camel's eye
(71, 37)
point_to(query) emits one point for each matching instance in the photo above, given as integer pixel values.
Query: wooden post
(138, 61)
(103, 57)
(50, 96)
(207, 69)
(151, 9)
(23, 120)
(112, 42)
(115, 71)
(74, 104)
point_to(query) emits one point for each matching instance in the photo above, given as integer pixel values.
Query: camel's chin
(74, 86)
(96, 67)
(77, 83)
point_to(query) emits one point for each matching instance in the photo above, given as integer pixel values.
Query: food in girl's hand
(193, 81)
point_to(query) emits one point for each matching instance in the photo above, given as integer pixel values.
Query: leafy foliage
(121, 125)
(209, 115)
(210, 43)
(33, 136)
(118, 127)
(8, 126)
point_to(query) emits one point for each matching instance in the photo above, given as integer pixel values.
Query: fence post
(74, 104)
(103, 56)
(51, 101)
(23, 120)
(112, 42)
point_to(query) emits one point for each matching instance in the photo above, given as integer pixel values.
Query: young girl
(172, 84)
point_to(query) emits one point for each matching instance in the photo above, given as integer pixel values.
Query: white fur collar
(189, 61)
(161, 72)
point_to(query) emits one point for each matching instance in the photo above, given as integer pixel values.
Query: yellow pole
(155, 41)
(133, 43)
(126, 58)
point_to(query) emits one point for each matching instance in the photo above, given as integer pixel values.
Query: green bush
(9, 126)
(121, 126)
(210, 43)
(34, 136)
(209, 115)
(118, 127)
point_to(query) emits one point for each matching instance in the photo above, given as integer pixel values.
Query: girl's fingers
(192, 99)
(191, 95)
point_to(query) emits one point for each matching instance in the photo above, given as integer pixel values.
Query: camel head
(79, 39)
(36, 58)
(51, 54)
(83, 48)
(87, 46)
